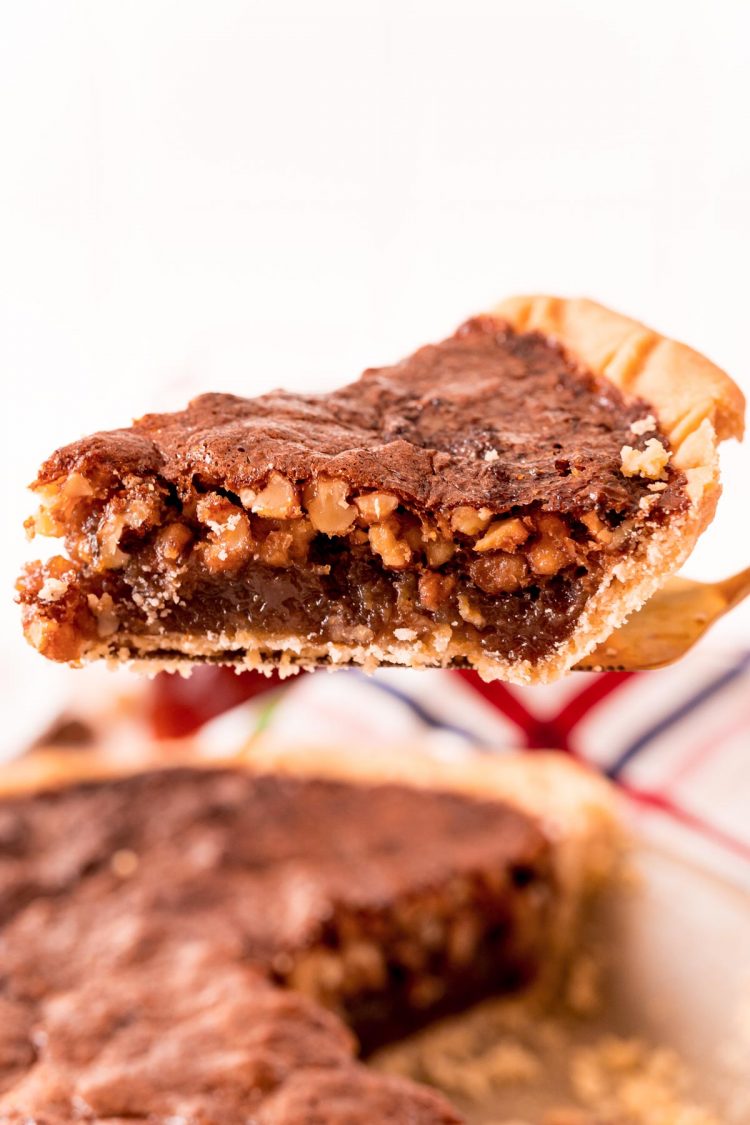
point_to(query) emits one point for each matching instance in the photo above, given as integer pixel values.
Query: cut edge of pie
(579, 811)
(695, 404)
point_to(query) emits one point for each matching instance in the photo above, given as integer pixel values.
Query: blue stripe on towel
(713, 687)
(418, 710)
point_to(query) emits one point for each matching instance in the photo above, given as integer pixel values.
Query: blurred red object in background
(178, 706)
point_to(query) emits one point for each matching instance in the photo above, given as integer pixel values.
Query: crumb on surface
(643, 425)
(500, 1053)
(630, 1080)
(53, 589)
(649, 462)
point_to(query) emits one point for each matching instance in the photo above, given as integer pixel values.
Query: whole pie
(501, 501)
(197, 946)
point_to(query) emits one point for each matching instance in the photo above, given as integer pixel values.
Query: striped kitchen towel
(676, 740)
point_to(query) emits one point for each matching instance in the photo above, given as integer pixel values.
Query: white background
(232, 196)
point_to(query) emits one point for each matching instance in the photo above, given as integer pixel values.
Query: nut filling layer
(464, 504)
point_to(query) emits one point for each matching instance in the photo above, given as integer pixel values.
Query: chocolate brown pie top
(500, 500)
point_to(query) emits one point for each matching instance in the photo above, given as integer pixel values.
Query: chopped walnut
(469, 612)
(413, 533)
(643, 425)
(287, 543)
(554, 549)
(230, 543)
(499, 573)
(439, 551)
(328, 507)
(548, 556)
(103, 609)
(376, 506)
(278, 500)
(138, 508)
(435, 589)
(470, 521)
(57, 501)
(385, 540)
(173, 540)
(649, 462)
(109, 534)
(598, 528)
(53, 589)
(503, 535)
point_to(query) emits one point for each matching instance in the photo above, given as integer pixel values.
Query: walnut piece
(554, 549)
(470, 521)
(596, 525)
(499, 573)
(172, 541)
(127, 512)
(469, 612)
(328, 507)
(278, 500)
(649, 462)
(230, 542)
(287, 543)
(643, 425)
(53, 589)
(503, 535)
(376, 506)
(386, 541)
(435, 589)
(57, 501)
(439, 551)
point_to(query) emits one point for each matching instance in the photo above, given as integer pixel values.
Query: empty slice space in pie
(500, 501)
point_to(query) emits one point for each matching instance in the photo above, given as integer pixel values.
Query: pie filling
(511, 585)
(434, 952)
(494, 532)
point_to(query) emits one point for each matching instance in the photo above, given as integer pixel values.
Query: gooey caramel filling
(317, 559)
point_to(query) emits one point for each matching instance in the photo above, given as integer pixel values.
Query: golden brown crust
(683, 386)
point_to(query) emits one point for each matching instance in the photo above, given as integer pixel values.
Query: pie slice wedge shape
(500, 501)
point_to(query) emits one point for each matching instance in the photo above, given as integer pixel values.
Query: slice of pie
(197, 944)
(501, 500)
